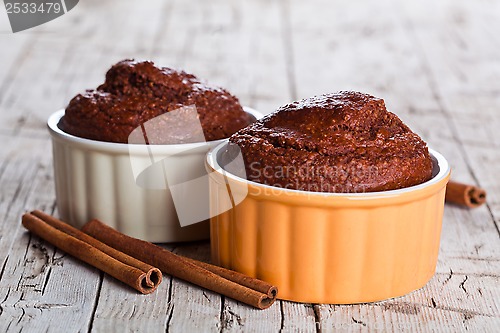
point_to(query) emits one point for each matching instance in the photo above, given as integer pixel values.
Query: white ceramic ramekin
(96, 179)
(327, 247)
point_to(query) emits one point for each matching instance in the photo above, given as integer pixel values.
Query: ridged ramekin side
(94, 184)
(331, 254)
(96, 179)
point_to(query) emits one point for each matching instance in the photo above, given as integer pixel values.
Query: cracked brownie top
(137, 91)
(339, 142)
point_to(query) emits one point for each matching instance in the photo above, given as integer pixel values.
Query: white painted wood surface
(436, 63)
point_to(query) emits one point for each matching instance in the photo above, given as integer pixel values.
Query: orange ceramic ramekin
(328, 247)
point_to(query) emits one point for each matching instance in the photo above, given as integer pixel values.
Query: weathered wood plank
(437, 307)
(45, 291)
(187, 301)
(467, 93)
(436, 64)
(122, 309)
(40, 288)
(234, 44)
(470, 244)
(298, 317)
(171, 308)
(237, 317)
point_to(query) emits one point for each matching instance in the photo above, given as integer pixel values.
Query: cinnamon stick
(139, 275)
(465, 195)
(251, 291)
(245, 280)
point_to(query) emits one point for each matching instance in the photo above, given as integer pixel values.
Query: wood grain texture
(436, 64)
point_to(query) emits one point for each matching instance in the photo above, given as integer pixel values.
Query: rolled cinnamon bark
(201, 274)
(131, 271)
(465, 195)
(242, 279)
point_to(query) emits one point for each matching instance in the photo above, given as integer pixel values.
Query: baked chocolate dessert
(135, 92)
(341, 142)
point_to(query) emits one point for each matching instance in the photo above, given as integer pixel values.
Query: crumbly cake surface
(339, 142)
(135, 92)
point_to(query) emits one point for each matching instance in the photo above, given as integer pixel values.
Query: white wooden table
(435, 62)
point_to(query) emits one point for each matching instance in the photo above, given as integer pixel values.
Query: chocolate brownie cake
(135, 92)
(340, 142)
